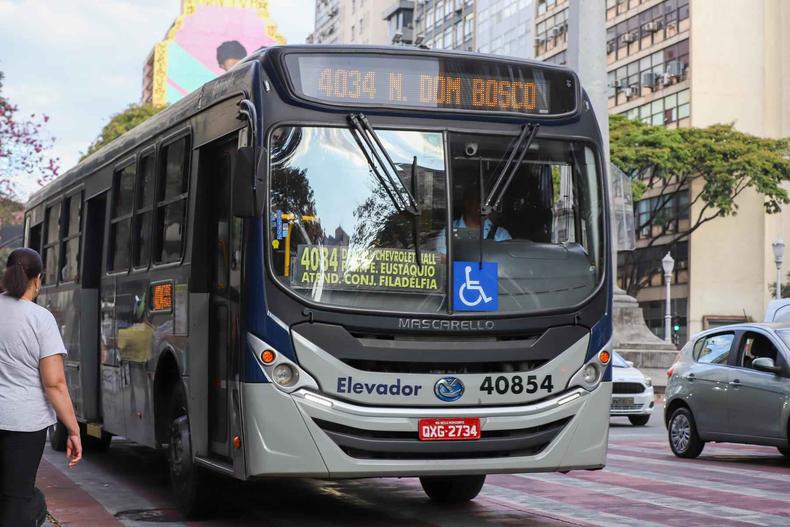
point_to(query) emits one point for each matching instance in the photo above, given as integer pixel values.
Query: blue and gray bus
(343, 262)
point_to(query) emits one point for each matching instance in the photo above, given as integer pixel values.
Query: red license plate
(449, 429)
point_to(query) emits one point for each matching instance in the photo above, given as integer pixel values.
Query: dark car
(731, 384)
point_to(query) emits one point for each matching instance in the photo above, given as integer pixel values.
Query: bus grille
(376, 444)
(444, 368)
(627, 387)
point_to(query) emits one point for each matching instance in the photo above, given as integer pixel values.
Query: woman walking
(32, 390)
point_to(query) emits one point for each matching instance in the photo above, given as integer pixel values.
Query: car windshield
(784, 334)
(618, 361)
(339, 237)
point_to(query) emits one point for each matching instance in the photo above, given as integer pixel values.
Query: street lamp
(779, 251)
(668, 263)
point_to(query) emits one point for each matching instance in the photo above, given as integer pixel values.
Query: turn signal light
(604, 356)
(236, 442)
(671, 370)
(268, 356)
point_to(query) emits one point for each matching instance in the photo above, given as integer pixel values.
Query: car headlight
(648, 382)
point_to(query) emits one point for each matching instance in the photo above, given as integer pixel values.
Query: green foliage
(121, 123)
(714, 164)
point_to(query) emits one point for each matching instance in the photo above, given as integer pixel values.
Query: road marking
(720, 512)
(575, 514)
(702, 465)
(740, 490)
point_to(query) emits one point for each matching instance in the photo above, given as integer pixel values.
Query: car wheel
(683, 438)
(186, 479)
(785, 451)
(639, 420)
(58, 435)
(452, 489)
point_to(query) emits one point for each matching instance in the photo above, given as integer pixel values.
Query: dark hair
(231, 49)
(22, 266)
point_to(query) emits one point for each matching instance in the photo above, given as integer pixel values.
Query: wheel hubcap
(680, 433)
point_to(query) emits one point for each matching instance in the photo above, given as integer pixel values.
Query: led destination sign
(431, 83)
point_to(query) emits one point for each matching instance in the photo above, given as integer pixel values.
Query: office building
(696, 63)
(502, 27)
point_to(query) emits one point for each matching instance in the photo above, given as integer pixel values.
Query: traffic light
(676, 331)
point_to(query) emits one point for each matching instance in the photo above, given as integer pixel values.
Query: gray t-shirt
(28, 333)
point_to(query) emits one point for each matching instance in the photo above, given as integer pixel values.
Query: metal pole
(668, 311)
(779, 282)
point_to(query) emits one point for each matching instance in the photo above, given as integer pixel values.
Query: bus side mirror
(245, 198)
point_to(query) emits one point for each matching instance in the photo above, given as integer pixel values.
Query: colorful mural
(207, 39)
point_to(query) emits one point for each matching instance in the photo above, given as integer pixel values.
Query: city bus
(343, 262)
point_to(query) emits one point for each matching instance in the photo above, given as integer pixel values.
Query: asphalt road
(643, 485)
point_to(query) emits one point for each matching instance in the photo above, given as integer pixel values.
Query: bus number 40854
(516, 384)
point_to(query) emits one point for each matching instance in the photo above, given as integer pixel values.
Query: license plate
(623, 401)
(449, 429)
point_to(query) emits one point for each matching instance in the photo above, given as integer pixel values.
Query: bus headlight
(590, 374)
(284, 374)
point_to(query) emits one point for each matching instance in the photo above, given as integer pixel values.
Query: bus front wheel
(452, 489)
(58, 435)
(185, 477)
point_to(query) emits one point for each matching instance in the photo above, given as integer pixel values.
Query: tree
(23, 147)
(714, 165)
(120, 123)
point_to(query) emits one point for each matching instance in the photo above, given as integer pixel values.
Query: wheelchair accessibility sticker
(475, 289)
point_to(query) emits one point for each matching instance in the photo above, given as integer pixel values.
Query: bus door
(90, 312)
(224, 258)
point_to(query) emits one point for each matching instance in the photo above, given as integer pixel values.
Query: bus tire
(784, 450)
(186, 478)
(639, 420)
(683, 437)
(58, 435)
(452, 489)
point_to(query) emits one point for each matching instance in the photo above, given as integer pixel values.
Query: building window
(653, 73)
(551, 33)
(646, 29)
(660, 215)
(654, 317)
(673, 110)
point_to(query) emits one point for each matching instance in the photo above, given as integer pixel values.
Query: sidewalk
(68, 503)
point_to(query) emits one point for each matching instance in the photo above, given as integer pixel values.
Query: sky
(81, 61)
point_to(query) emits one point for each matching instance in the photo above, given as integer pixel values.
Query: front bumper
(306, 434)
(633, 403)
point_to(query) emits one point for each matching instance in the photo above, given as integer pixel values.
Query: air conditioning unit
(617, 84)
(631, 92)
(666, 79)
(650, 79)
(555, 31)
(540, 41)
(675, 68)
(564, 27)
(611, 46)
(627, 38)
(653, 26)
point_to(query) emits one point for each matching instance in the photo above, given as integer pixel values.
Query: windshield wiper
(498, 189)
(390, 180)
(381, 164)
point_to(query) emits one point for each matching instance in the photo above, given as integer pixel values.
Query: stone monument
(587, 56)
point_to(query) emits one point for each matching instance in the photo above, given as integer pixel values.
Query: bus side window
(51, 247)
(121, 216)
(172, 192)
(72, 217)
(144, 202)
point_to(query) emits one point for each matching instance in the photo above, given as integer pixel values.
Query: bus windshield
(337, 236)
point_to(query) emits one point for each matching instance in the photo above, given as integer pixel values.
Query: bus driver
(470, 219)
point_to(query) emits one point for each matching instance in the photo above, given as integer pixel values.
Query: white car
(632, 392)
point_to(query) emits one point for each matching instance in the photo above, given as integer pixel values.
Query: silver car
(731, 384)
